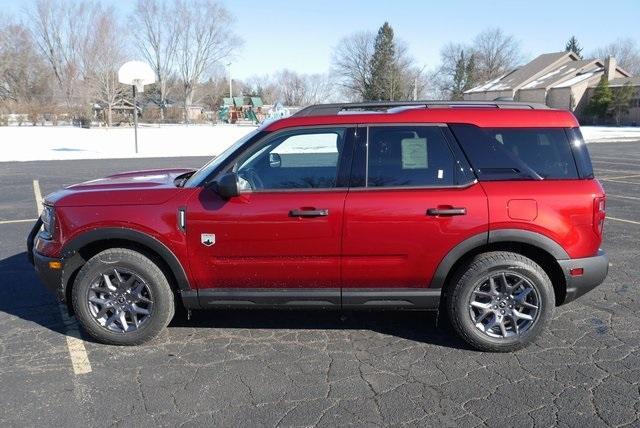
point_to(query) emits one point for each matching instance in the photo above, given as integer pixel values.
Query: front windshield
(204, 172)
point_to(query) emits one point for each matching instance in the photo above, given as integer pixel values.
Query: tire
(475, 302)
(135, 284)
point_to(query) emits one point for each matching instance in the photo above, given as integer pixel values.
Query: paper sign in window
(414, 153)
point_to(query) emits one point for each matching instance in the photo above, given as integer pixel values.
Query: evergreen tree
(600, 102)
(573, 46)
(383, 64)
(621, 101)
(459, 78)
(470, 73)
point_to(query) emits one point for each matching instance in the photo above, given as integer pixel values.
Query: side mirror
(228, 186)
(275, 161)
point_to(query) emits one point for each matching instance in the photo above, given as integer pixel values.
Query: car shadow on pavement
(23, 296)
(419, 326)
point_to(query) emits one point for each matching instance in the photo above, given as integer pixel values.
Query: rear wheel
(500, 301)
(121, 297)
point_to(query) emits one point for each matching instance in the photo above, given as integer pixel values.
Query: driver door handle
(446, 211)
(312, 212)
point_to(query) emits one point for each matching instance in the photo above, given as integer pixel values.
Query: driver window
(294, 160)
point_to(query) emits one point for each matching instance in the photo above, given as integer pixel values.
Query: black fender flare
(135, 236)
(534, 239)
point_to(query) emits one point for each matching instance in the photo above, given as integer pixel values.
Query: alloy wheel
(120, 300)
(504, 305)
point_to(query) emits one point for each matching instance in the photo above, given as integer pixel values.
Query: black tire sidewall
(467, 281)
(163, 305)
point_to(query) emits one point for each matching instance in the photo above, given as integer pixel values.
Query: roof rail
(396, 106)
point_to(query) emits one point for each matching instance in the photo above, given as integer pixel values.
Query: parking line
(622, 220)
(623, 197)
(75, 344)
(621, 176)
(614, 163)
(26, 220)
(619, 181)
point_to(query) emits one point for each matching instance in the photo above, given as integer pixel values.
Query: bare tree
(495, 53)
(205, 38)
(351, 63)
(103, 55)
(626, 52)
(23, 73)
(319, 88)
(156, 33)
(61, 31)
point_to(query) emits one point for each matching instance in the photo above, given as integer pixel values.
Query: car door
(280, 237)
(412, 200)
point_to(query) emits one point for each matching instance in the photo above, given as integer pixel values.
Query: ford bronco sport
(488, 212)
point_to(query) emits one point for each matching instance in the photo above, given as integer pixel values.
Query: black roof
(394, 106)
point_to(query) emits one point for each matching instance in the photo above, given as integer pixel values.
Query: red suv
(488, 212)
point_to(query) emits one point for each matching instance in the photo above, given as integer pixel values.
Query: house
(560, 80)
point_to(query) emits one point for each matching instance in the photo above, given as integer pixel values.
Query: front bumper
(595, 270)
(51, 278)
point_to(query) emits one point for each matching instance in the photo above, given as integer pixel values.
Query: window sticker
(414, 153)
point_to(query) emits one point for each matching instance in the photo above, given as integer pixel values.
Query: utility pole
(230, 82)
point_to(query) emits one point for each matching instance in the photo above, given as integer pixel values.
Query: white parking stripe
(622, 220)
(618, 181)
(26, 220)
(621, 176)
(614, 163)
(75, 344)
(623, 197)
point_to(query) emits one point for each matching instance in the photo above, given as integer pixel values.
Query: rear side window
(408, 156)
(580, 153)
(517, 153)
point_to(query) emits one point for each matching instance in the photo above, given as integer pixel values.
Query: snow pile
(27, 143)
(610, 134)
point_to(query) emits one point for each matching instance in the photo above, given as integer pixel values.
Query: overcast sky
(300, 35)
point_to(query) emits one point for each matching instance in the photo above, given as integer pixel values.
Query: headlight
(48, 217)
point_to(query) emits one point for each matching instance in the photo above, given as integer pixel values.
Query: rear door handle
(309, 213)
(447, 211)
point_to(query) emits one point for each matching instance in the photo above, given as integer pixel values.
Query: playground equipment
(241, 109)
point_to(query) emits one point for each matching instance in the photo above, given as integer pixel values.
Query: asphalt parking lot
(244, 368)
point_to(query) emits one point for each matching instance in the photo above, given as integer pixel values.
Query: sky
(300, 35)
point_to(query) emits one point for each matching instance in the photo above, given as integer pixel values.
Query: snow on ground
(610, 134)
(26, 143)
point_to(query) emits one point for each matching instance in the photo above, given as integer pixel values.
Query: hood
(148, 187)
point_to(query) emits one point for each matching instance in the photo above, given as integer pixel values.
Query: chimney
(610, 68)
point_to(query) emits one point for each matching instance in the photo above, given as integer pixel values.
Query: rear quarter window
(517, 153)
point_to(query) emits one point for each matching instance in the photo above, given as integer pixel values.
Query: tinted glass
(294, 160)
(406, 156)
(517, 153)
(580, 153)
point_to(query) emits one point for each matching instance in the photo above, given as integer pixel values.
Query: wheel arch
(539, 248)
(81, 248)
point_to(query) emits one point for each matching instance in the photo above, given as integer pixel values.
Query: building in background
(560, 80)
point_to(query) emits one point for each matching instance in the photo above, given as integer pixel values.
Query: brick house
(560, 80)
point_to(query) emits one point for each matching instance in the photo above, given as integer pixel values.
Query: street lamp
(137, 74)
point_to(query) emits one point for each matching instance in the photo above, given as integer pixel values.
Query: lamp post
(137, 74)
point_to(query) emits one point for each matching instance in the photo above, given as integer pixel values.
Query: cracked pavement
(297, 368)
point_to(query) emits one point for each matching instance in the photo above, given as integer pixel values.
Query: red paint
(482, 117)
(564, 211)
(371, 238)
(389, 241)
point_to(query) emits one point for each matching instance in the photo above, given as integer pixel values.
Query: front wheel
(121, 297)
(500, 301)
